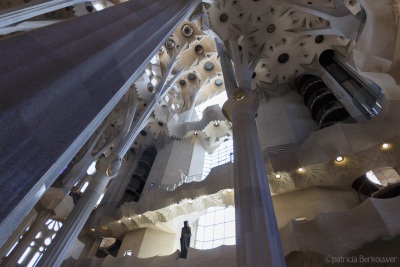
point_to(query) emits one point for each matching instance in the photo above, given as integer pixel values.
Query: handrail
(184, 180)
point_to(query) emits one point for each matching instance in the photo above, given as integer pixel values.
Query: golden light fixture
(239, 94)
(385, 146)
(339, 159)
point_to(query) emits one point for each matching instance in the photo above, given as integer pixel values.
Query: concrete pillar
(116, 190)
(54, 255)
(81, 67)
(29, 236)
(257, 237)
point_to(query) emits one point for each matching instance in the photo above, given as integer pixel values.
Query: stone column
(55, 253)
(29, 236)
(257, 237)
(81, 67)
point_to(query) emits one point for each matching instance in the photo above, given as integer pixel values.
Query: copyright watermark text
(359, 259)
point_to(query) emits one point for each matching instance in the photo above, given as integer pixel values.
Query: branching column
(257, 236)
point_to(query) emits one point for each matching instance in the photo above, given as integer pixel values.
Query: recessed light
(277, 176)
(190, 201)
(195, 133)
(130, 218)
(300, 169)
(92, 230)
(229, 190)
(119, 221)
(216, 124)
(339, 159)
(299, 219)
(385, 146)
(139, 215)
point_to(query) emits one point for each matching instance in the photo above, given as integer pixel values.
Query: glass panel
(208, 233)
(202, 220)
(210, 218)
(34, 259)
(208, 245)
(199, 245)
(230, 241)
(219, 216)
(200, 233)
(218, 243)
(219, 232)
(230, 229)
(21, 260)
(218, 227)
(230, 214)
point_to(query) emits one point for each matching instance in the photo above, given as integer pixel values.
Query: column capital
(242, 100)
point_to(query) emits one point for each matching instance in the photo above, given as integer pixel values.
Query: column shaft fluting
(257, 237)
(54, 255)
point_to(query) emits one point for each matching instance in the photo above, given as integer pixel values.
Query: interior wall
(186, 155)
(196, 165)
(310, 202)
(132, 241)
(76, 250)
(147, 242)
(283, 120)
(156, 243)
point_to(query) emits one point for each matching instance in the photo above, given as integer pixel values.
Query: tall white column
(55, 253)
(29, 236)
(257, 237)
(81, 67)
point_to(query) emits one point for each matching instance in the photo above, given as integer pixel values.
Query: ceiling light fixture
(339, 159)
(301, 170)
(229, 190)
(385, 146)
(277, 176)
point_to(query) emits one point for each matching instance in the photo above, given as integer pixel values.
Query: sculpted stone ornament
(114, 167)
(238, 94)
(248, 100)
